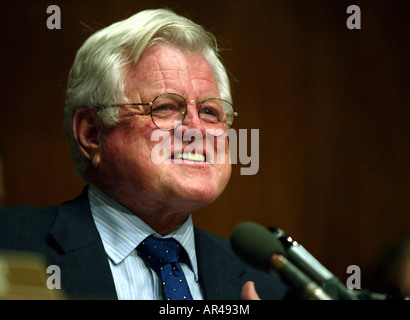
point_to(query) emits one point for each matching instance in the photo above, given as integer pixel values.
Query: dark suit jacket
(67, 237)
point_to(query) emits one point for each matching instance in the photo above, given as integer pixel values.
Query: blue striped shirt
(121, 232)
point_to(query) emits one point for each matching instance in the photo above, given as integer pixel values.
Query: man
(154, 72)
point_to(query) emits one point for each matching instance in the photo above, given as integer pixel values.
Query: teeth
(190, 156)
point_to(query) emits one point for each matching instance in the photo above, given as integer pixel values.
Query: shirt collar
(122, 231)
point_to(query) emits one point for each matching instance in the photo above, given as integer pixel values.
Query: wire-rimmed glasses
(169, 110)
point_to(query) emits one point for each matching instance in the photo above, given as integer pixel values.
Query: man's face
(126, 167)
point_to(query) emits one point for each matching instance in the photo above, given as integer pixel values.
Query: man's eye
(164, 107)
(209, 112)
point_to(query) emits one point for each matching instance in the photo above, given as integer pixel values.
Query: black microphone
(255, 245)
(258, 247)
(293, 277)
(298, 255)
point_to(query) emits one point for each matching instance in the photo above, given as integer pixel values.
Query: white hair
(97, 77)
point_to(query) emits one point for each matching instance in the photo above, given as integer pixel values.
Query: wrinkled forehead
(165, 68)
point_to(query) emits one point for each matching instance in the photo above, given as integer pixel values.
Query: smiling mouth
(197, 157)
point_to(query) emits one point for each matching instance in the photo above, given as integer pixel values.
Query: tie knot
(160, 252)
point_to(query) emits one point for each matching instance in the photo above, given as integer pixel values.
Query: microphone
(255, 245)
(293, 277)
(258, 247)
(298, 255)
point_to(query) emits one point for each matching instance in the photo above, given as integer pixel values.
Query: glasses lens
(217, 114)
(168, 111)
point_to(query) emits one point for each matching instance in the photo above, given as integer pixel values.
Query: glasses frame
(198, 106)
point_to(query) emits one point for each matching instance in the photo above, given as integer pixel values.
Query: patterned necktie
(163, 256)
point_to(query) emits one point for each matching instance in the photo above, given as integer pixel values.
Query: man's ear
(86, 126)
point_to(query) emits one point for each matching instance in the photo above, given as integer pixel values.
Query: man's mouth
(198, 157)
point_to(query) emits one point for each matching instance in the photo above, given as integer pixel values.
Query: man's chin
(198, 188)
(197, 198)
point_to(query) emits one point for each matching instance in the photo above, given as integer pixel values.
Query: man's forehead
(168, 62)
(168, 69)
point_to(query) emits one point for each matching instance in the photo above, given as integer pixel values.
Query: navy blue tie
(163, 256)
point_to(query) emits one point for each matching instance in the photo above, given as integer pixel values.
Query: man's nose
(192, 119)
(192, 127)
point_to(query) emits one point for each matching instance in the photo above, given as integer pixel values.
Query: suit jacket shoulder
(65, 236)
(22, 227)
(222, 274)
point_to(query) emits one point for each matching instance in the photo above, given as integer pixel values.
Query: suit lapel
(219, 271)
(85, 272)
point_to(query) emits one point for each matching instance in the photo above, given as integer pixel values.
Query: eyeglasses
(169, 110)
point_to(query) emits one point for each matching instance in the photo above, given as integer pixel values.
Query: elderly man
(130, 235)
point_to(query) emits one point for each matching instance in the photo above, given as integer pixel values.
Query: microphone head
(255, 245)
